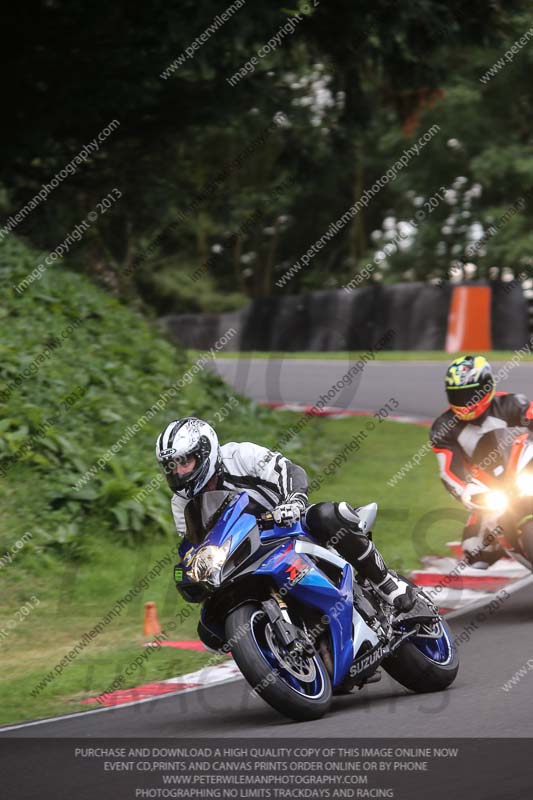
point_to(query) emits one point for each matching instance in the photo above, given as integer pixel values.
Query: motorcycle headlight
(524, 483)
(492, 501)
(208, 562)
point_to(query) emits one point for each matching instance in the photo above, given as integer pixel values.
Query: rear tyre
(425, 665)
(300, 693)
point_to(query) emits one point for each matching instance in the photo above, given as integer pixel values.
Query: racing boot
(388, 586)
(347, 529)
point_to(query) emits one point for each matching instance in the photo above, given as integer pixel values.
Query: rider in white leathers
(193, 462)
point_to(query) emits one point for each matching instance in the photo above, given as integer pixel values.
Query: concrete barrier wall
(416, 313)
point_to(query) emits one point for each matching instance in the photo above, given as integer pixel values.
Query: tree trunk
(357, 229)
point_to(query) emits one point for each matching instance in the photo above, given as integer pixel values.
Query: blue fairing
(300, 576)
(316, 591)
(234, 523)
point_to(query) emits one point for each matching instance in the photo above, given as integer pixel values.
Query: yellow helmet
(469, 386)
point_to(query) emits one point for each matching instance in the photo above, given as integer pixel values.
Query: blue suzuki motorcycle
(300, 624)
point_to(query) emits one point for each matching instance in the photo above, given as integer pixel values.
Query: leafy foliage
(212, 187)
(121, 366)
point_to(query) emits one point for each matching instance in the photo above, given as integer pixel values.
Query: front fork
(510, 527)
(288, 634)
(518, 533)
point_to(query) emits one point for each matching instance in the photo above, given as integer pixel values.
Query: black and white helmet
(189, 452)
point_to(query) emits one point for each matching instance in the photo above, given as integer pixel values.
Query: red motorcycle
(501, 489)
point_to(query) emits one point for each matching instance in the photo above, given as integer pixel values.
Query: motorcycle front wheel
(298, 686)
(526, 541)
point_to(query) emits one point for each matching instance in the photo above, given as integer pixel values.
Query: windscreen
(203, 511)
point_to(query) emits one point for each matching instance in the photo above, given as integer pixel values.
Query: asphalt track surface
(474, 706)
(417, 386)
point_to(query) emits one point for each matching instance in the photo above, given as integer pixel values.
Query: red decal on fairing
(297, 570)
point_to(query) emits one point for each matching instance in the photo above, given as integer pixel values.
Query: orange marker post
(469, 320)
(152, 626)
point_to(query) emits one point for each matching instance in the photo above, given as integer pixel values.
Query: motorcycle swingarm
(395, 643)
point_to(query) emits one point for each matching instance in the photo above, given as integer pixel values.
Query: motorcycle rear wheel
(424, 665)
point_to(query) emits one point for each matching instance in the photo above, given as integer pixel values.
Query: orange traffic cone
(151, 622)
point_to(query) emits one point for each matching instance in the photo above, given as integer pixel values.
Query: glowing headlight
(494, 501)
(207, 561)
(524, 483)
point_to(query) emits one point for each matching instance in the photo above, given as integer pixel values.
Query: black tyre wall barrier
(411, 316)
(510, 322)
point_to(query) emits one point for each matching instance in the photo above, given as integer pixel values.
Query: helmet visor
(179, 470)
(465, 395)
(472, 410)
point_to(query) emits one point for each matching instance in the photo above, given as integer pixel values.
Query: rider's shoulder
(241, 451)
(228, 448)
(442, 429)
(508, 402)
(237, 447)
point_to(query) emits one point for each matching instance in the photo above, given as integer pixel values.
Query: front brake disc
(297, 664)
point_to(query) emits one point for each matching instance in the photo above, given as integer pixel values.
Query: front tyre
(526, 541)
(298, 688)
(424, 664)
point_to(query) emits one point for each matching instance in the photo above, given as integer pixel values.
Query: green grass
(73, 599)
(416, 516)
(384, 355)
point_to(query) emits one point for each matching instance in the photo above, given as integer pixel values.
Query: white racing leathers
(267, 476)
